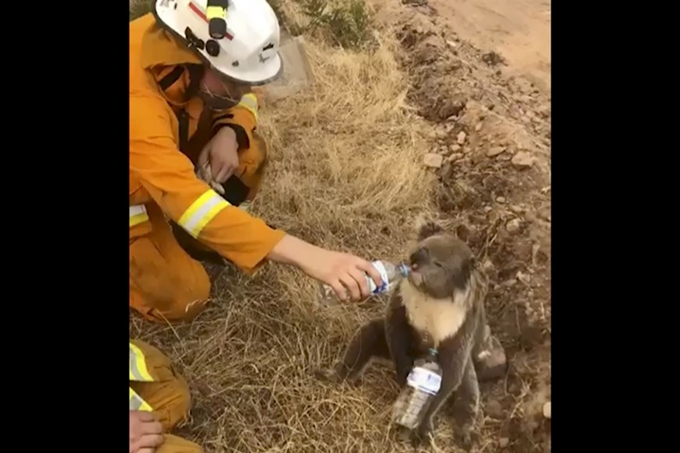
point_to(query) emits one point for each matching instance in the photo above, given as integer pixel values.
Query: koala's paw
(423, 436)
(465, 438)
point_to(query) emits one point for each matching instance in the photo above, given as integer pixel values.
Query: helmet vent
(193, 40)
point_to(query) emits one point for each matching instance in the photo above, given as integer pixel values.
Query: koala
(439, 305)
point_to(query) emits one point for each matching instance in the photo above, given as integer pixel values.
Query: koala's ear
(426, 228)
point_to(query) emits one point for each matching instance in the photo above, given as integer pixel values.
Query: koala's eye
(438, 264)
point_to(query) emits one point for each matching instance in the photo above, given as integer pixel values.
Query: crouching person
(159, 400)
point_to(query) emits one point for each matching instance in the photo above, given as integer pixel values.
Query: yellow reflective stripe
(215, 12)
(137, 403)
(138, 370)
(201, 212)
(138, 215)
(249, 102)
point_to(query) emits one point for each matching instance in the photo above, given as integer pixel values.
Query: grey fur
(451, 285)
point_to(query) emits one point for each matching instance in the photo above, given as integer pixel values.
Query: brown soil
(348, 172)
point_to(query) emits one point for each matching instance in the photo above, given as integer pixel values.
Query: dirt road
(518, 30)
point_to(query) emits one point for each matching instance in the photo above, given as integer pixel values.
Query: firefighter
(159, 400)
(195, 155)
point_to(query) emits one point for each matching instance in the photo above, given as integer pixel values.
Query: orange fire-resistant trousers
(166, 284)
(168, 396)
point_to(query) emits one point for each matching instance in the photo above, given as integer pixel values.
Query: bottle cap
(403, 269)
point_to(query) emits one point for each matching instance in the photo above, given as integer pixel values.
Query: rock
(513, 225)
(454, 157)
(546, 410)
(454, 148)
(500, 199)
(488, 264)
(433, 160)
(449, 108)
(516, 209)
(503, 442)
(494, 409)
(451, 44)
(524, 278)
(495, 151)
(478, 127)
(461, 137)
(523, 160)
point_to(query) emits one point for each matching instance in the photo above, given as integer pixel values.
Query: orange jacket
(161, 173)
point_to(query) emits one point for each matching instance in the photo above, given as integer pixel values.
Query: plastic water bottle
(390, 273)
(422, 384)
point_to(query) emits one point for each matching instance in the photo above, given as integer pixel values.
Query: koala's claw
(423, 436)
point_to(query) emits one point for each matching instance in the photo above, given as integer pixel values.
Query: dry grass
(345, 173)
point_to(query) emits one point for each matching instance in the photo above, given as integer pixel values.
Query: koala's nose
(418, 257)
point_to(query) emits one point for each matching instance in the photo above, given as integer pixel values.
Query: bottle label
(380, 267)
(425, 380)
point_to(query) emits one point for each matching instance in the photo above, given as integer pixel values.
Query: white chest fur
(440, 318)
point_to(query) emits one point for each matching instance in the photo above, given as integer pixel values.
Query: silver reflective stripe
(135, 403)
(137, 209)
(138, 215)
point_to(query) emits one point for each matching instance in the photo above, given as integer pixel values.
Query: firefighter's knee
(186, 302)
(166, 286)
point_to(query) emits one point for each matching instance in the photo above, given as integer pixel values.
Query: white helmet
(238, 38)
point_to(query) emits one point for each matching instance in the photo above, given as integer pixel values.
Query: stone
(454, 148)
(494, 409)
(513, 226)
(495, 151)
(547, 410)
(523, 160)
(503, 442)
(461, 137)
(433, 160)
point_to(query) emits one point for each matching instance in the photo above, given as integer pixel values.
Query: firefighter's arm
(242, 118)
(168, 176)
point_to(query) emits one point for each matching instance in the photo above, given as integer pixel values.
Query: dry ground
(347, 172)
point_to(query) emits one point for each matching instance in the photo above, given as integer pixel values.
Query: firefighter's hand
(145, 432)
(343, 272)
(221, 154)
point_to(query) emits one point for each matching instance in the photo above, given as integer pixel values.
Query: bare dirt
(517, 30)
(467, 81)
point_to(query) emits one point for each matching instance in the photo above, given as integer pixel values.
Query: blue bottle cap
(403, 269)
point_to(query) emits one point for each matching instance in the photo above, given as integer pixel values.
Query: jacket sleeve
(168, 176)
(242, 118)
